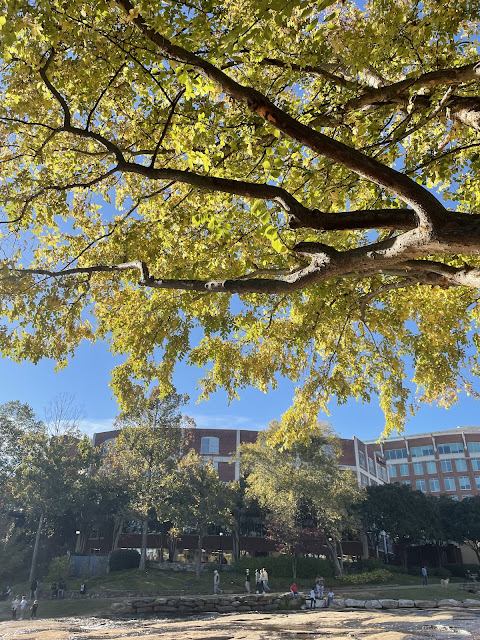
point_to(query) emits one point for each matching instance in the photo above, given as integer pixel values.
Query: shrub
(281, 566)
(459, 570)
(370, 564)
(441, 572)
(59, 569)
(369, 577)
(396, 568)
(121, 559)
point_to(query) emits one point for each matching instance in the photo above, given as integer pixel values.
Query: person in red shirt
(294, 590)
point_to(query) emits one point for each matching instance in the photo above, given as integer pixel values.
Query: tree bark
(198, 559)
(143, 554)
(332, 552)
(117, 530)
(33, 566)
(364, 539)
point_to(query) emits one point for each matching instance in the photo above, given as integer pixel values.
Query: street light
(221, 551)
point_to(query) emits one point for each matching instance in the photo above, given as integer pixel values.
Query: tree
(405, 515)
(155, 157)
(466, 523)
(50, 477)
(300, 488)
(199, 499)
(146, 453)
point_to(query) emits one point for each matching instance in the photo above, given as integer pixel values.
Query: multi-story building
(436, 462)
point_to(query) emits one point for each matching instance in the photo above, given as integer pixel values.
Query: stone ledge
(184, 605)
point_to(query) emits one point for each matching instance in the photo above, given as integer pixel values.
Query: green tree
(159, 158)
(300, 487)
(466, 523)
(146, 453)
(405, 515)
(50, 477)
(199, 499)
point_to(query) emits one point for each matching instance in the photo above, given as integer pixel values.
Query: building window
(454, 497)
(475, 463)
(212, 462)
(403, 468)
(421, 485)
(473, 447)
(461, 464)
(395, 454)
(449, 484)
(209, 445)
(466, 495)
(426, 450)
(477, 482)
(434, 484)
(406, 482)
(418, 468)
(361, 458)
(453, 447)
(431, 467)
(464, 483)
(392, 471)
(363, 480)
(446, 465)
(371, 466)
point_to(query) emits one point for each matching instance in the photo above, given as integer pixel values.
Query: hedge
(369, 577)
(281, 566)
(121, 559)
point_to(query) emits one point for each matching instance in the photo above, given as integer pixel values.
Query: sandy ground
(304, 625)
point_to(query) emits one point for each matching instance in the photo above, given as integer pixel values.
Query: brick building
(435, 462)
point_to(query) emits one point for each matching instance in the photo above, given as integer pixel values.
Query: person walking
(258, 582)
(23, 604)
(15, 605)
(424, 576)
(83, 590)
(247, 580)
(33, 610)
(313, 599)
(216, 583)
(265, 580)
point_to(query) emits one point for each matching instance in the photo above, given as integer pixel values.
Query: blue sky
(88, 375)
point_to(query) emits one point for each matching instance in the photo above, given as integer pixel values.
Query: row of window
(446, 466)
(381, 470)
(464, 484)
(428, 450)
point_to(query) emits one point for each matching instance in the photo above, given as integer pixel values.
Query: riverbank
(311, 625)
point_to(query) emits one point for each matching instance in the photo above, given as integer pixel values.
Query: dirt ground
(304, 625)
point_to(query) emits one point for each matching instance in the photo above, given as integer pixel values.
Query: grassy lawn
(432, 592)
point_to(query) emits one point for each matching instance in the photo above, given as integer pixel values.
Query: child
(33, 609)
(329, 597)
(313, 600)
(294, 590)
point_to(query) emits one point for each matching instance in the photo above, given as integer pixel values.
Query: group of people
(261, 581)
(316, 593)
(58, 590)
(19, 606)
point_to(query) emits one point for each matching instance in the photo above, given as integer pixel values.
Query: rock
(389, 604)
(119, 606)
(373, 604)
(450, 602)
(166, 609)
(356, 604)
(337, 603)
(470, 602)
(159, 601)
(406, 604)
(425, 604)
(244, 607)
(224, 608)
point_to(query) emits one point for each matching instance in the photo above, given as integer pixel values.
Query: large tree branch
(456, 75)
(429, 210)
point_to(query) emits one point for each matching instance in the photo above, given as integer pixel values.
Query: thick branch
(428, 209)
(456, 75)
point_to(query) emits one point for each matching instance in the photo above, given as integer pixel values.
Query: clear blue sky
(88, 376)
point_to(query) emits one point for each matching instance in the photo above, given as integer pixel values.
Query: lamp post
(221, 551)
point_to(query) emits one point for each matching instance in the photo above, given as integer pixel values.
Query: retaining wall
(267, 602)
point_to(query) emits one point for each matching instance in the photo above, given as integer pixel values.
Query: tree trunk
(172, 547)
(33, 566)
(80, 543)
(333, 556)
(198, 559)
(236, 542)
(340, 553)
(143, 554)
(364, 539)
(117, 530)
(294, 567)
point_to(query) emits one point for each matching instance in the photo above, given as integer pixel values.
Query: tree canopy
(317, 160)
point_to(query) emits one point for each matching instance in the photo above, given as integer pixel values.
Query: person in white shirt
(23, 604)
